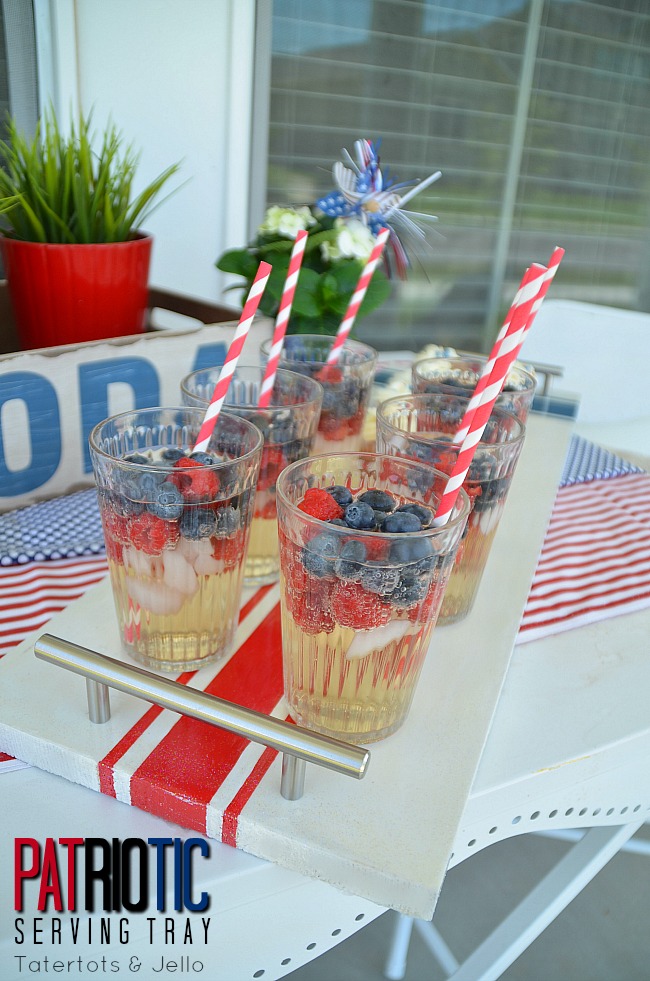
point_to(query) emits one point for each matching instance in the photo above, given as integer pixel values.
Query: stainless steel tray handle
(298, 745)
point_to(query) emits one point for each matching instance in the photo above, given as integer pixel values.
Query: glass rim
(423, 396)
(368, 353)
(285, 475)
(101, 452)
(517, 366)
(318, 389)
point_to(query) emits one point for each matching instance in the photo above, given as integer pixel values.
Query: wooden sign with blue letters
(52, 398)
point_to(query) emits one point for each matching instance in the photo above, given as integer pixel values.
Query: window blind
(443, 85)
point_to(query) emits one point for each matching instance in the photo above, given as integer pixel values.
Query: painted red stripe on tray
(204, 755)
(107, 764)
(232, 812)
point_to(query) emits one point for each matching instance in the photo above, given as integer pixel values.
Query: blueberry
(380, 579)
(424, 514)
(420, 482)
(380, 520)
(319, 555)
(125, 507)
(296, 449)
(142, 486)
(491, 491)
(227, 521)
(198, 523)
(205, 458)
(410, 590)
(359, 516)
(168, 503)
(408, 550)
(331, 399)
(346, 406)
(378, 500)
(479, 470)
(137, 458)
(342, 495)
(338, 521)
(348, 563)
(171, 454)
(401, 523)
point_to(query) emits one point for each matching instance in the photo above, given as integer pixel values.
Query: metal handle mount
(298, 745)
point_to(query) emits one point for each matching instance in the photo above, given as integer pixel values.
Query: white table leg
(546, 901)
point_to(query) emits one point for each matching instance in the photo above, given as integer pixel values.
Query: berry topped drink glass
(363, 573)
(458, 376)
(346, 385)
(288, 426)
(422, 428)
(176, 526)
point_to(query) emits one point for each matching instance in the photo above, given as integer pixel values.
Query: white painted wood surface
(389, 838)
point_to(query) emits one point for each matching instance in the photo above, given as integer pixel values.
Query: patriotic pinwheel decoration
(342, 229)
(364, 193)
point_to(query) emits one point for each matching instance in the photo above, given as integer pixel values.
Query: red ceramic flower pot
(64, 294)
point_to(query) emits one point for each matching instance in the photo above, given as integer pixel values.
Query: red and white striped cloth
(595, 563)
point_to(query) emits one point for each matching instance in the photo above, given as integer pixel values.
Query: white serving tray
(387, 838)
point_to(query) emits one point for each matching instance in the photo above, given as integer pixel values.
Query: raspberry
(193, 481)
(228, 550)
(319, 504)
(273, 462)
(355, 422)
(353, 607)
(312, 619)
(151, 534)
(473, 491)
(329, 374)
(309, 604)
(332, 428)
(422, 612)
(376, 548)
(267, 510)
(116, 526)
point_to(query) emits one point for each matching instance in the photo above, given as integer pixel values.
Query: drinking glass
(346, 385)
(359, 606)
(288, 426)
(421, 427)
(458, 376)
(176, 527)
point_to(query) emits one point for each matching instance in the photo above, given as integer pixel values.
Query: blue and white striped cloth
(586, 461)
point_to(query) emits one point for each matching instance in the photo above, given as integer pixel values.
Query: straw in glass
(357, 297)
(509, 350)
(282, 319)
(232, 357)
(520, 319)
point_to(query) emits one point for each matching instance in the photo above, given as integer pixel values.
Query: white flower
(353, 241)
(286, 222)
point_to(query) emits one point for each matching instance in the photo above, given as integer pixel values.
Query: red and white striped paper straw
(510, 347)
(282, 319)
(516, 317)
(522, 313)
(235, 349)
(357, 297)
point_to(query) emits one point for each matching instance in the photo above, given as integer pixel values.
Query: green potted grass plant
(75, 258)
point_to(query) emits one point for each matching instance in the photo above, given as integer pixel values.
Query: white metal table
(568, 747)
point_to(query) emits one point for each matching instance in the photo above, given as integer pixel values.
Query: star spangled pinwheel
(364, 192)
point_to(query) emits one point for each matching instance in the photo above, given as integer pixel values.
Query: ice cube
(178, 573)
(366, 641)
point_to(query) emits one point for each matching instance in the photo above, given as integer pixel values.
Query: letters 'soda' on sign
(52, 398)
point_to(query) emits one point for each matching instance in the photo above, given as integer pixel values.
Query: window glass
(537, 113)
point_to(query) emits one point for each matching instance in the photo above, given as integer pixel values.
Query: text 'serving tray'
(387, 838)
